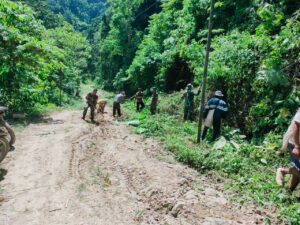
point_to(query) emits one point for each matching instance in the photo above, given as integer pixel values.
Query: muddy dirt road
(67, 171)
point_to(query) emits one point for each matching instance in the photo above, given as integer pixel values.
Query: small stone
(182, 181)
(151, 193)
(191, 195)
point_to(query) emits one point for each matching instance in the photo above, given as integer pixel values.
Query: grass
(247, 169)
(80, 189)
(138, 214)
(101, 178)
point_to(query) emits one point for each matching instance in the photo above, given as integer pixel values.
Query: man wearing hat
(215, 110)
(188, 97)
(154, 101)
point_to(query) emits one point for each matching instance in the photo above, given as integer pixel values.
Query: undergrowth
(249, 169)
(37, 115)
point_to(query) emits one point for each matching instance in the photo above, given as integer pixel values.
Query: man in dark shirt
(215, 110)
(91, 102)
(139, 100)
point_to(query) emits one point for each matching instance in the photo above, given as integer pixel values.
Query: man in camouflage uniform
(91, 102)
(188, 97)
(140, 105)
(154, 101)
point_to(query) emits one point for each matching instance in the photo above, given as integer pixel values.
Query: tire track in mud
(83, 143)
(132, 160)
(73, 162)
(105, 174)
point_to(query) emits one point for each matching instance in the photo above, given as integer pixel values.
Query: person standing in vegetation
(188, 98)
(154, 101)
(291, 141)
(140, 105)
(91, 101)
(215, 109)
(120, 98)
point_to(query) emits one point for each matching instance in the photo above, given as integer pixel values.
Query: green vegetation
(49, 47)
(79, 13)
(245, 167)
(254, 59)
(36, 63)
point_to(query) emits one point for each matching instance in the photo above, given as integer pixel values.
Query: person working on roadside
(120, 98)
(91, 102)
(154, 101)
(189, 105)
(139, 100)
(291, 141)
(215, 109)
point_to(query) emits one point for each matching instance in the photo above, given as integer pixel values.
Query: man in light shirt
(291, 141)
(120, 98)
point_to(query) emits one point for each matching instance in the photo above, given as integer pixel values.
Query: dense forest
(254, 55)
(49, 47)
(131, 44)
(41, 55)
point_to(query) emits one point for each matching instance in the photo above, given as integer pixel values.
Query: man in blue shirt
(215, 109)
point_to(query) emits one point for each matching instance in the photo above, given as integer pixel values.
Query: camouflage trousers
(188, 113)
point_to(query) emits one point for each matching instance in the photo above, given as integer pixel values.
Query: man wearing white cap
(215, 109)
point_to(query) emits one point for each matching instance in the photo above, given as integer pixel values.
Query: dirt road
(67, 171)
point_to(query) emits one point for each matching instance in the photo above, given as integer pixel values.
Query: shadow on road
(90, 122)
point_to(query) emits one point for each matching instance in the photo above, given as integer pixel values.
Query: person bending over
(120, 98)
(91, 102)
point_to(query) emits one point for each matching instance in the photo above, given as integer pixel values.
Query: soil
(67, 171)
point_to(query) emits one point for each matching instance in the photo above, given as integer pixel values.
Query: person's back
(215, 110)
(219, 106)
(119, 98)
